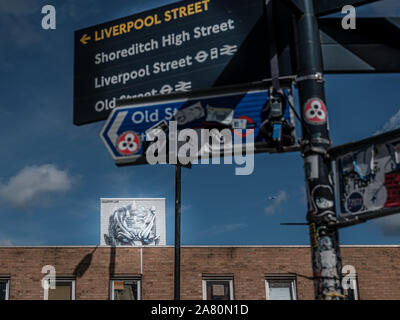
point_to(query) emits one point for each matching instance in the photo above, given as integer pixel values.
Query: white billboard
(132, 222)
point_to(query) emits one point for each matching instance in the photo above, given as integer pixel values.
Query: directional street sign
(128, 128)
(193, 45)
(372, 47)
(188, 45)
(368, 176)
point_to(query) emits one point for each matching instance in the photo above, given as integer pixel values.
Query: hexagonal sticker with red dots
(128, 143)
(315, 112)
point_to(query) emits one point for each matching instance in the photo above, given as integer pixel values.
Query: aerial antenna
(294, 224)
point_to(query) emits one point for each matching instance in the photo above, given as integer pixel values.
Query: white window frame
(291, 279)
(7, 281)
(138, 283)
(72, 281)
(218, 278)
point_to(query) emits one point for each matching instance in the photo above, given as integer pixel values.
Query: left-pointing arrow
(85, 38)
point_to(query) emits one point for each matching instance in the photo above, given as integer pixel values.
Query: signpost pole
(177, 269)
(325, 251)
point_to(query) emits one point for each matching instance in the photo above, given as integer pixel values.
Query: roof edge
(212, 246)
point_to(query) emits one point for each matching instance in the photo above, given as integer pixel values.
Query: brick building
(207, 272)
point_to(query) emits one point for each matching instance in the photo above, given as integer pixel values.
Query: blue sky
(53, 173)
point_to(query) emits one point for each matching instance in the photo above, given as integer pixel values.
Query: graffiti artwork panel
(132, 222)
(369, 178)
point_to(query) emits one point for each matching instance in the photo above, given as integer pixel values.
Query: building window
(218, 288)
(4, 288)
(125, 289)
(280, 287)
(351, 293)
(65, 290)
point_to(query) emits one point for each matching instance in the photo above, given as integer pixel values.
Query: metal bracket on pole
(342, 223)
(321, 140)
(318, 76)
(307, 146)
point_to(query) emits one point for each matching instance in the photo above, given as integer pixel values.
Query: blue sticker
(355, 202)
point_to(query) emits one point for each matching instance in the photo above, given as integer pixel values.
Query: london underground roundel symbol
(128, 143)
(315, 112)
(246, 132)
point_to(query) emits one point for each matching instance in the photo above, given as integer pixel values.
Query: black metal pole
(177, 268)
(325, 250)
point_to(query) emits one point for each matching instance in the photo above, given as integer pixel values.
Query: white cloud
(390, 225)
(186, 207)
(225, 228)
(29, 186)
(392, 124)
(277, 204)
(5, 243)
(231, 227)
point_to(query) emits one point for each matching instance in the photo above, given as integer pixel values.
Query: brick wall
(378, 269)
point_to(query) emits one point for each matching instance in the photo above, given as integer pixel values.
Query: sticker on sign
(191, 127)
(368, 174)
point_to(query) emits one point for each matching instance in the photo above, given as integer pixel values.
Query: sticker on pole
(315, 112)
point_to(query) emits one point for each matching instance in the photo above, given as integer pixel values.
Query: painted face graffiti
(322, 199)
(325, 243)
(323, 203)
(327, 263)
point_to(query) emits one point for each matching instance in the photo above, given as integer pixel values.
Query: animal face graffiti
(132, 225)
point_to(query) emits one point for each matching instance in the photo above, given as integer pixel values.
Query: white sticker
(189, 114)
(311, 164)
(154, 130)
(239, 124)
(397, 153)
(222, 115)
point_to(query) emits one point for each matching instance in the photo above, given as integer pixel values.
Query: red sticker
(128, 143)
(315, 112)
